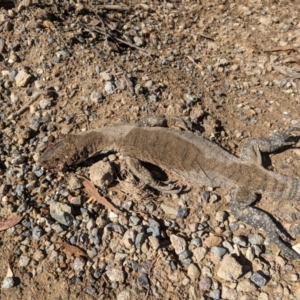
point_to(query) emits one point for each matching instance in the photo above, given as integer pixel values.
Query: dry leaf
(69, 249)
(94, 192)
(10, 222)
(286, 71)
(282, 48)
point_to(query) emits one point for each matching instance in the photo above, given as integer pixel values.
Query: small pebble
(79, 264)
(259, 279)
(205, 196)
(143, 280)
(183, 213)
(205, 283)
(178, 243)
(256, 239)
(37, 232)
(215, 294)
(193, 271)
(219, 251)
(8, 282)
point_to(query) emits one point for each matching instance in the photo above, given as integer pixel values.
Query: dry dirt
(228, 66)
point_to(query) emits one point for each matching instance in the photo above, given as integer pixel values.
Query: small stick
(132, 46)
(206, 37)
(116, 7)
(120, 40)
(282, 48)
(194, 62)
(25, 106)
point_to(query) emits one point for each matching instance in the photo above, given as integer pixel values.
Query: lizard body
(194, 158)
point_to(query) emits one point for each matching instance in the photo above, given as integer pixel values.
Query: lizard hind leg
(252, 149)
(145, 176)
(260, 220)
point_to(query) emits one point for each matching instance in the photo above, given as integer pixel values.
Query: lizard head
(60, 155)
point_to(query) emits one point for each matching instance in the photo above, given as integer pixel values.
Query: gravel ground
(70, 66)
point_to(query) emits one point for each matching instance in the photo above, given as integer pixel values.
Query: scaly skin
(194, 158)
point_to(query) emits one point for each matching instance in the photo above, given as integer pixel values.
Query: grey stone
(143, 280)
(37, 232)
(178, 243)
(8, 282)
(74, 183)
(259, 279)
(256, 239)
(124, 295)
(62, 213)
(183, 213)
(116, 275)
(246, 286)
(14, 98)
(240, 240)
(96, 97)
(168, 209)
(221, 216)
(79, 264)
(24, 261)
(215, 294)
(193, 271)
(109, 87)
(219, 251)
(101, 173)
(45, 103)
(154, 227)
(199, 254)
(229, 268)
(139, 239)
(205, 283)
(22, 78)
(106, 76)
(138, 41)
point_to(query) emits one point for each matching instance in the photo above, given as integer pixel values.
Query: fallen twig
(115, 7)
(105, 33)
(282, 48)
(206, 36)
(198, 66)
(25, 106)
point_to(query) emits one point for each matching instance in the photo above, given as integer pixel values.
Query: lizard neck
(98, 140)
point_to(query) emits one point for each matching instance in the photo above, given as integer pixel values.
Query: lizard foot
(252, 149)
(170, 189)
(145, 176)
(280, 138)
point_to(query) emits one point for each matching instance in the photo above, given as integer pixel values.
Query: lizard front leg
(260, 220)
(144, 175)
(252, 149)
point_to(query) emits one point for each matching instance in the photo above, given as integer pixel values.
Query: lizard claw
(169, 189)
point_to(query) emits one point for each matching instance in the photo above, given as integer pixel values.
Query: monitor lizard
(194, 158)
